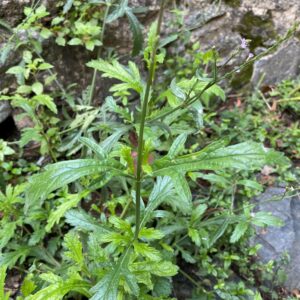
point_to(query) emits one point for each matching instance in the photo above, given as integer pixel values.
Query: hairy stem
(145, 101)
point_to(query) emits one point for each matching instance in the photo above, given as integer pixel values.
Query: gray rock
(276, 241)
(5, 110)
(283, 64)
(293, 270)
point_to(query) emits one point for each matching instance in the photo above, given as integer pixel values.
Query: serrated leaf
(46, 33)
(75, 42)
(5, 51)
(131, 281)
(74, 246)
(251, 184)
(24, 89)
(120, 224)
(194, 235)
(9, 259)
(117, 71)
(197, 86)
(45, 66)
(61, 41)
(30, 134)
(239, 231)
(147, 251)
(161, 268)
(108, 144)
(150, 234)
(248, 155)
(59, 212)
(263, 218)
(59, 288)
(162, 287)
(83, 221)
(46, 100)
(107, 287)
(61, 174)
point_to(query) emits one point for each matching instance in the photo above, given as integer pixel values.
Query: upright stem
(142, 123)
(92, 89)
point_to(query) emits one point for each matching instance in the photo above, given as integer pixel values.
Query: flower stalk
(145, 101)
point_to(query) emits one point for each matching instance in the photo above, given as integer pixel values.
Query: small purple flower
(250, 56)
(244, 44)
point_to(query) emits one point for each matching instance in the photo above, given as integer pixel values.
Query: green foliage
(140, 186)
(3, 294)
(5, 150)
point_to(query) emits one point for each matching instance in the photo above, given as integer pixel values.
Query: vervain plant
(121, 255)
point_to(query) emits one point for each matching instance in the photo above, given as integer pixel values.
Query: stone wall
(219, 23)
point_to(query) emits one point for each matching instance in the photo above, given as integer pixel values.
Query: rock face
(283, 64)
(213, 23)
(276, 241)
(5, 110)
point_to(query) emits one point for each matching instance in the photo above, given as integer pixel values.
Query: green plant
(128, 256)
(163, 190)
(32, 99)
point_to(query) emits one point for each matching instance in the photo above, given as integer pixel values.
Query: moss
(257, 29)
(233, 3)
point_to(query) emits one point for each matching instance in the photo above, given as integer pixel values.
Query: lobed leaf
(117, 71)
